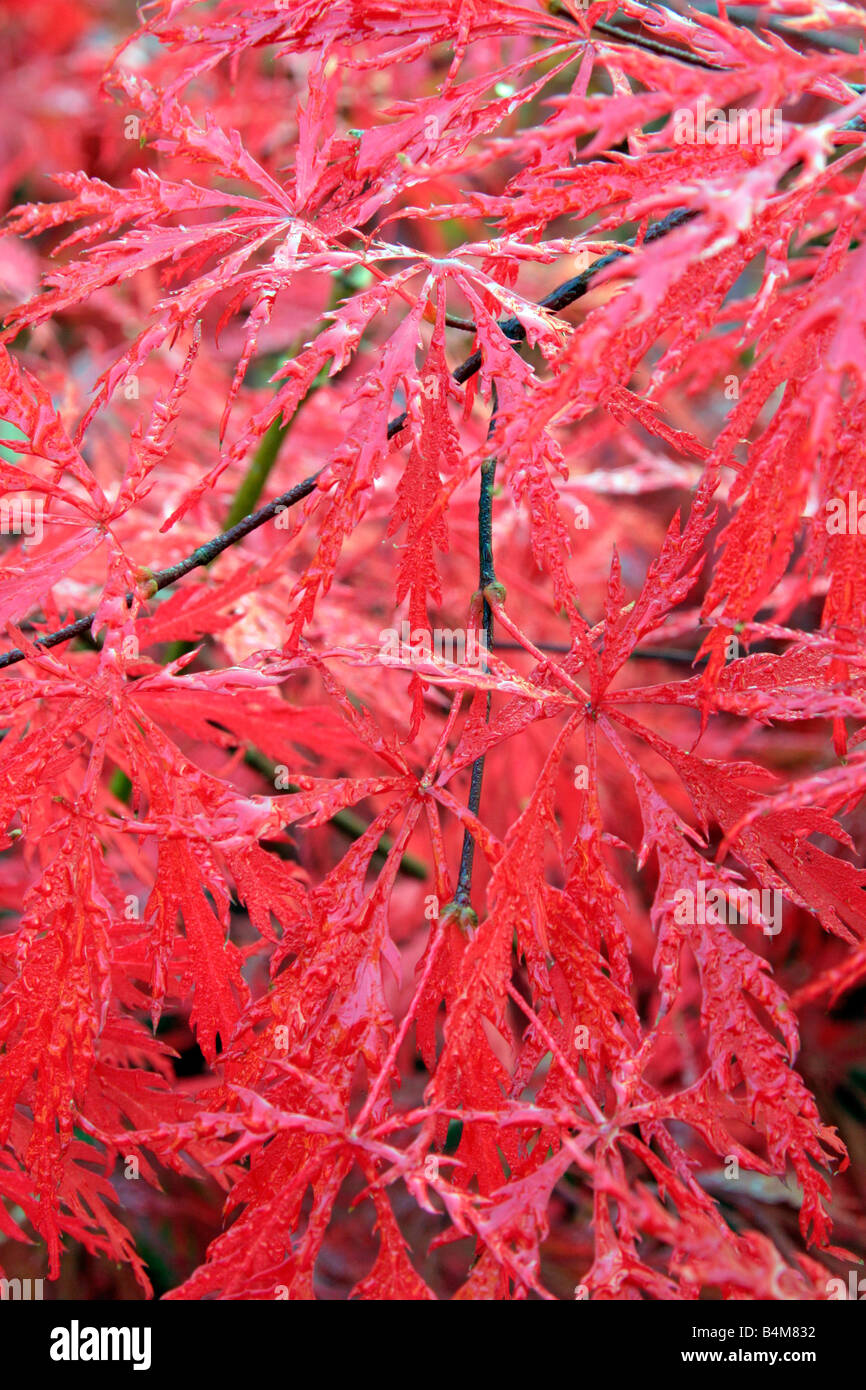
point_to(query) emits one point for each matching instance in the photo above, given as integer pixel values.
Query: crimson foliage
(472, 810)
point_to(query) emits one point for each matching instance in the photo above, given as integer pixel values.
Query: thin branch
(486, 581)
(161, 579)
(677, 655)
(558, 299)
(455, 321)
(665, 50)
(684, 55)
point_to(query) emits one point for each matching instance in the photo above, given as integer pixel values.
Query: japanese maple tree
(434, 687)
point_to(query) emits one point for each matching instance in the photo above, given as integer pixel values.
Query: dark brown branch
(636, 40)
(676, 655)
(739, 15)
(665, 50)
(486, 583)
(161, 579)
(558, 299)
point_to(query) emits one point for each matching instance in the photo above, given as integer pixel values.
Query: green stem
(253, 484)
